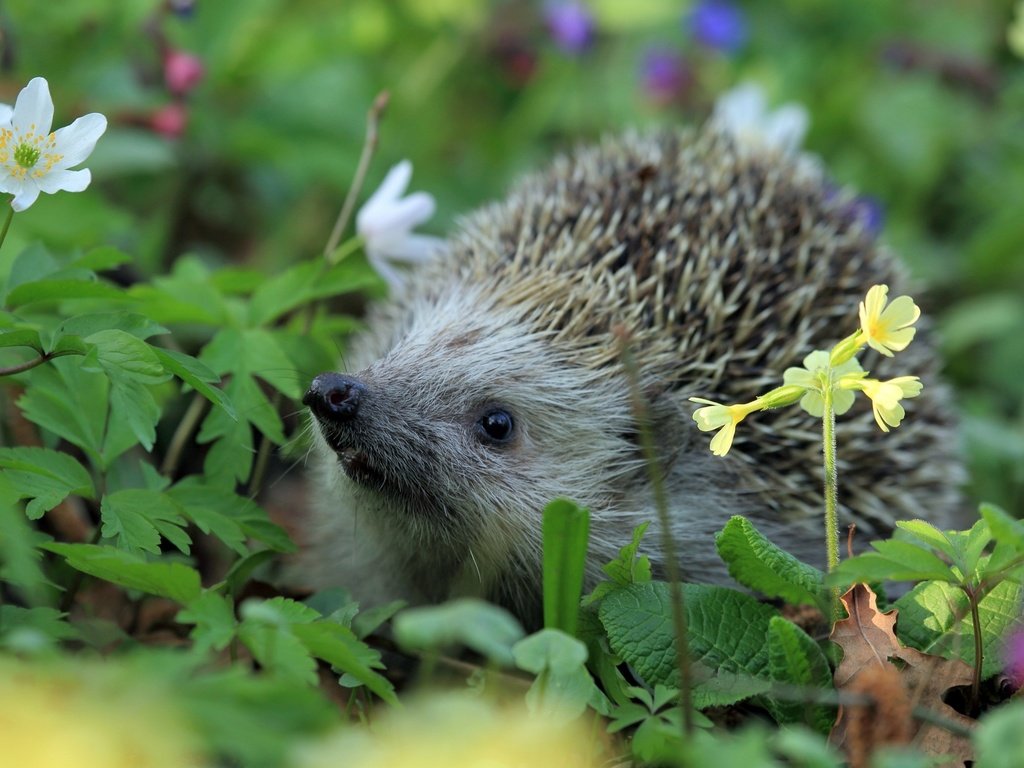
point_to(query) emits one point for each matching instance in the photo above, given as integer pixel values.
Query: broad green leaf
(45, 476)
(369, 621)
(794, 659)
(120, 352)
(913, 558)
(873, 566)
(756, 562)
(566, 527)
(727, 630)
(563, 687)
(997, 739)
(196, 375)
(1004, 528)
(928, 534)
(243, 569)
(485, 628)
(21, 338)
(338, 646)
(60, 289)
(133, 409)
(102, 258)
(136, 519)
(214, 617)
(139, 326)
(266, 358)
(172, 580)
(936, 618)
(278, 651)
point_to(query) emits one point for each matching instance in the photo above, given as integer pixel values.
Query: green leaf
(171, 580)
(627, 568)
(997, 739)
(21, 338)
(57, 290)
(120, 352)
(21, 568)
(227, 515)
(197, 376)
(214, 617)
(137, 518)
(265, 357)
(45, 476)
(133, 409)
(756, 562)
(487, 629)
(795, 659)
(48, 622)
(70, 403)
(1004, 528)
(102, 258)
(278, 651)
(898, 561)
(566, 527)
(338, 646)
(928, 534)
(139, 326)
(367, 622)
(727, 630)
(936, 618)
(563, 688)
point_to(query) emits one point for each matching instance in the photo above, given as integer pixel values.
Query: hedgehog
(495, 383)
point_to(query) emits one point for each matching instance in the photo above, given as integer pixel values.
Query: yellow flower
(887, 328)
(885, 396)
(457, 731)
(724, 418)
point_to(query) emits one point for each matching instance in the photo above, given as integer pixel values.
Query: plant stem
(972, 598)
(181, 434)
(7, 224)
(22, 367)
(657, 481)
(828, 445)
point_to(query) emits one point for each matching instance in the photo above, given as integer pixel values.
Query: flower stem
(22, 367)
(828, 444)
(655, 473)
(972, 599)
(7, 225)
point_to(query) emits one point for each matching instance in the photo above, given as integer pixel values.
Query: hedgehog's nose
(334, 396)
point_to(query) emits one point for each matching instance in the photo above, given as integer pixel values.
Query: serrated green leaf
(794, 659)
(756, 562)
(139, 326)
(928, 534)
(171, 580)
(120, 352)
(630, 567)
(367, 622)
(197, 376)
(134, 410)
(278, 651)
(46, 621)
(265, 357)
(214, 617)
(45, 476)
(20, 557)
(339, 647)
(136, 519)
(566, 528)
(240, 572)
(727, 630)
(936, 618)
(60, 289)
(279, 610)
(485, 628)
(70, 403)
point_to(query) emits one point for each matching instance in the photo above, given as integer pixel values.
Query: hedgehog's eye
(496, 426)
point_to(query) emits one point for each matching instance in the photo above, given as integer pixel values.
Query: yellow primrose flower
(724, 418)
(885, 397)
(887, 328)
(812, 378)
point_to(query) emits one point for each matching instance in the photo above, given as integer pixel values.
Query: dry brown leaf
(869, 641)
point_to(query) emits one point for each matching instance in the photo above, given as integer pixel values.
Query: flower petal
(722, 442)
(33, 111)
(6, 113)
(25, 196)
(902, 311)
(813, 403)
(417, 249)
(76, 141)
(60, 179)
(399, 215)
(392, 187)
(842, 401)
(784, 129)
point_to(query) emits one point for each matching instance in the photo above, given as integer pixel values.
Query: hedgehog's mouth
(359, 469)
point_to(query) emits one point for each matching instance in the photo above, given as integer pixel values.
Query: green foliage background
(917, 104)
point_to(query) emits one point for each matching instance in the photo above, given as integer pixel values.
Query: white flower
(386, 220)
(743, 114)
(34, 160)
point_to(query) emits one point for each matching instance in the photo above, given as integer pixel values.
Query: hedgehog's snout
(335, 397)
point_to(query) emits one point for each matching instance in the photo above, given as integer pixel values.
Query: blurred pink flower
(170, 120)
(665, 75)
(182, 71)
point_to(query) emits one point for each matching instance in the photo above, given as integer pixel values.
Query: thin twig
(181, 435)
(27, 366)
(7, 224)
(657, 480)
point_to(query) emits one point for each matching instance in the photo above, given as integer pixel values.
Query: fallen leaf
(868, 639)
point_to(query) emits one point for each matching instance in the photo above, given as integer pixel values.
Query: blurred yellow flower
(89, 716)
(724, 418)
(457, 731)
(887, 328)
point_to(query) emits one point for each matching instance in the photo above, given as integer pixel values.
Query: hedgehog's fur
(725, 267)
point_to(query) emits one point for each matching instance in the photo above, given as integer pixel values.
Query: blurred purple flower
(1013, 655)
(870, 212)
(182, 71)
(665, 75)
(169, 120)
(571, 25)
(718, 24)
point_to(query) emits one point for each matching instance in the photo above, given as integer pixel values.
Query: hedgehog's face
(468, 428)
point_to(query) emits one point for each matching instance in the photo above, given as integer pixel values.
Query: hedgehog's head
(469, 423)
